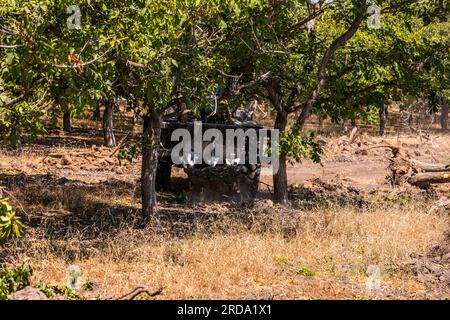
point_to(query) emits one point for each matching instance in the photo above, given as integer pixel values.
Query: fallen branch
(404, 169)
(424, 180)
(431, 167)
(137, 291)
(75, 154)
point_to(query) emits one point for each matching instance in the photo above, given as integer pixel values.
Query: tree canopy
(298, 56)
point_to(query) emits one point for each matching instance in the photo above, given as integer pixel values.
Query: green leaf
(223, 24)
(174, 62)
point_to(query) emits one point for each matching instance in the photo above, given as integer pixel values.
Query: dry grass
(236, 260)
(218, 251)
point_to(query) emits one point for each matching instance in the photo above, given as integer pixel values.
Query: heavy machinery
(225, 179)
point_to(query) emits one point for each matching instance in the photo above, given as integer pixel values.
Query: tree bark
(150, 143)
(430, 167)
(382, 114)
(444, 115)
(421, 174)
(321, 117)
(280, 184)
(108, 126)
(96, 113)
(410, 120)
(424, 180)
(67, 125)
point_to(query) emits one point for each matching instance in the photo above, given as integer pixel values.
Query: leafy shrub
(296, 147)
(19, 278)
(15, 279)
(10, 225)
(304, 271)
(19, 122)
(51, 291)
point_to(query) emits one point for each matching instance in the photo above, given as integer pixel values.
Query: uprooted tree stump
(404, 169)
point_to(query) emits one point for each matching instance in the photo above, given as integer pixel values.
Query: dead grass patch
(237, 260)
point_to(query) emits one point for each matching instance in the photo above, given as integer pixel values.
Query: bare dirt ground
(81, 206)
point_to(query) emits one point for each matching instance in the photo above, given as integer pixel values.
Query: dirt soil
(362, 162)
(433, 268)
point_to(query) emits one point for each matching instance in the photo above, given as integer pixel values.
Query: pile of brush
(405, 169)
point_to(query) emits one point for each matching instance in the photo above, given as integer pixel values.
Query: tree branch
(254, 81)
(339, 42)
(273, 96)
(15, 46)
(303, 22)
(321, 75)
(14, 101)
(428, 60)
(81, 65)
(341, 73)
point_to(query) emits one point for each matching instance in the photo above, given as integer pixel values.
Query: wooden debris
(403, 169)
(427, 178)
(353, 135)
(137, 291)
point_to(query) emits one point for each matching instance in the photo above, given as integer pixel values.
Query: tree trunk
(96, 113)
(421, 174)
(321, 117)
(280, 184)
(423, 180)
(382, 114)
(150, 143)
(163, 174)
(108, 128)
(410, 120)
(67, 125)
(430, 167)
(444, 115)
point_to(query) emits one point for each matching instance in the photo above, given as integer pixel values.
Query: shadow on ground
(65, 209)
